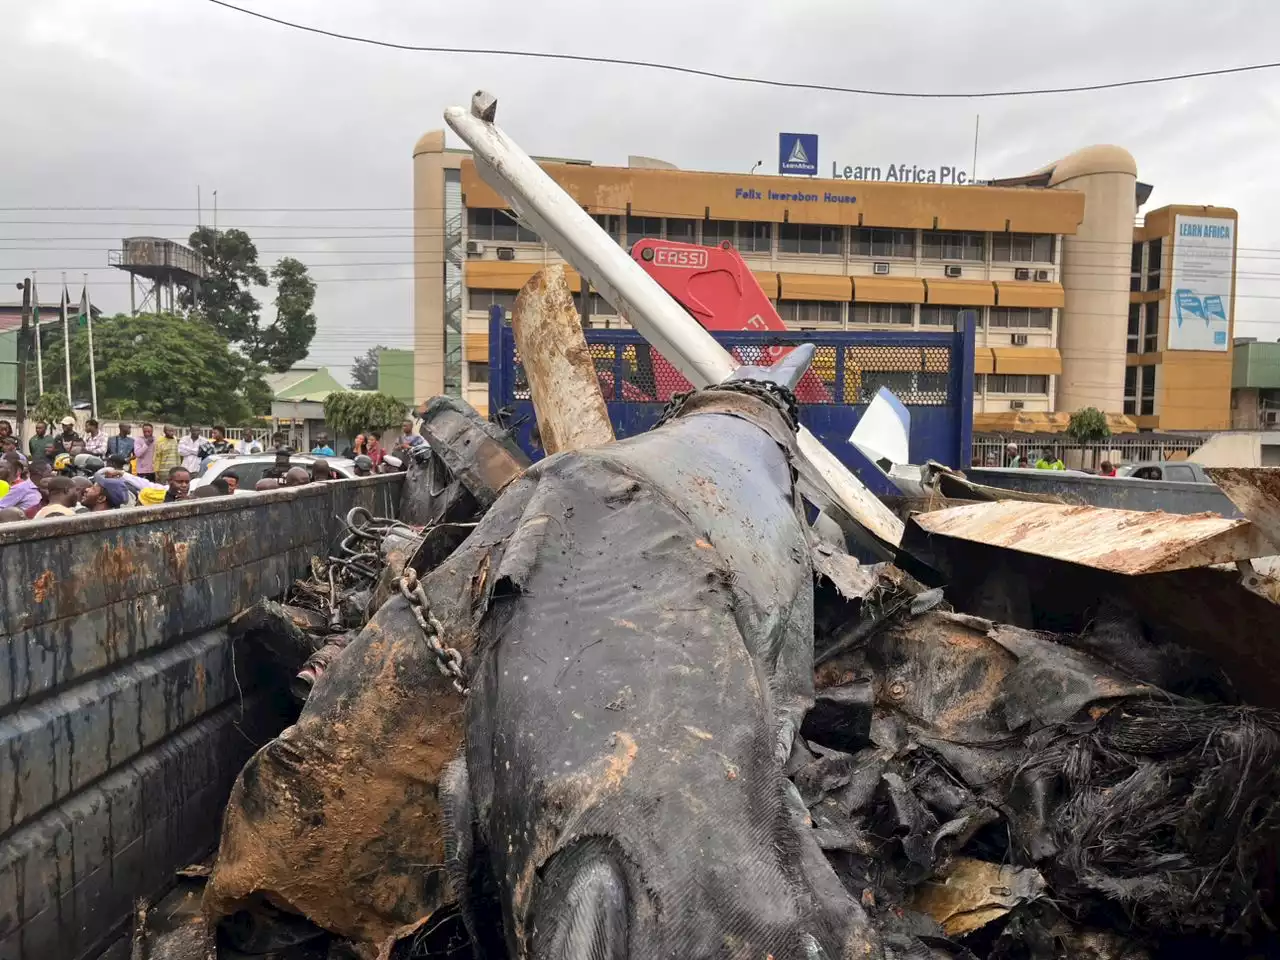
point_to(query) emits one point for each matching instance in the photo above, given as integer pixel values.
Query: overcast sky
(135, 103)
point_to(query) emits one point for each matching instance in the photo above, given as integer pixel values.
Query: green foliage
(285, 342)
(350, 413)
(162, 367)
(226, 301)
(51, 407)
(1088, 425)
(364, 369)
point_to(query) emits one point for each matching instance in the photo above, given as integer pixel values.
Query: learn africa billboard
(1200, 304)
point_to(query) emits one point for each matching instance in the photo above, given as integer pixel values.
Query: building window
(640, 227)
(755, 236)
(1022, 247)
(1021, 318)
(934, 316)
(499, 226)
(811, 313)
(480, 299)
(1024, 383)
(600, 307)
(682, 231)
(979, 380)
(871, 242)
(716, 232)
(866, 314)
(477, 372)
(1135, 333)
(1153, 264)
(610, 223)
(1135, 269)
(1147, 399)
(1131, 390)
(1151, 332)
(813, 238)
(953, 245)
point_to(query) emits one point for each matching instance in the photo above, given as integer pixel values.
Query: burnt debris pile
(628, 702)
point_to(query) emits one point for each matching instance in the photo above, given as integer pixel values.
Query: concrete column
(428, 266)
(1095, 278)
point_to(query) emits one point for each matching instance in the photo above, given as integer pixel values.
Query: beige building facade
(1042, 261)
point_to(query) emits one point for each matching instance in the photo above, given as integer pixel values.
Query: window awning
(960, 293)
(888, 290)
(1009, 293)
(768, 283)
(984, 360)
(1027, 360)
(476, 347)
(816, 286)
(508, 274)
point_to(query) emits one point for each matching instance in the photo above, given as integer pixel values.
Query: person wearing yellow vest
(1049, 460)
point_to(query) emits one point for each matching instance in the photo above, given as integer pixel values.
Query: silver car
(254, 467)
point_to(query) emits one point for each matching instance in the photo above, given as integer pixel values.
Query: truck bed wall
(125, 714)
(1120, 493)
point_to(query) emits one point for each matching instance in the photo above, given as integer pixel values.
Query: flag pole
(66, 338)
(35, 310)
(87, 310)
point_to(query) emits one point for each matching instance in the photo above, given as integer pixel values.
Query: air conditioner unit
(1019, 339)
(952, 270)
(1021, 273)
(1271, 417)
(1042, 276)
(506, 253)
(1015, 404)
(475, 248)
(880, 269)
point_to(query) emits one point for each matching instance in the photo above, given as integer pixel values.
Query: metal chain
(448, 659)
(779, 397)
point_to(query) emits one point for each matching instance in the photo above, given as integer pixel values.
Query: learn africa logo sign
(798, 154)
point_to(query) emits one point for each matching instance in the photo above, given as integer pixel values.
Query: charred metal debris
(534, 718)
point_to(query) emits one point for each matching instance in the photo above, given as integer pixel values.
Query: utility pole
(24, 347)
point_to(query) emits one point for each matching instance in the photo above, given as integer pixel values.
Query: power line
(734, 78)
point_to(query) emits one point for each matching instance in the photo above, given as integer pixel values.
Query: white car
(253, 467)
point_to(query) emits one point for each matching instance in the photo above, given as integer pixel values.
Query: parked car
(254, 467)
(1182, 471)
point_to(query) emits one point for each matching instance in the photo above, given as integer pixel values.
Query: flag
(66, 335)
(85, 319)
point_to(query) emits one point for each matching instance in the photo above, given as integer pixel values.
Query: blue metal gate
(930, 372)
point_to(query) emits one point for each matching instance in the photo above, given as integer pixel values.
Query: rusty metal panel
(1119, 541)
(123, 720)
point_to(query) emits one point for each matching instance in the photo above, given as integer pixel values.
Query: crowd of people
(63, 472)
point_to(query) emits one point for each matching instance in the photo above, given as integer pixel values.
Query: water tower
(158, 266)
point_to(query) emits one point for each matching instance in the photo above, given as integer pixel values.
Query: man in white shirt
(249, 444)
(189, 449)
(95, 441)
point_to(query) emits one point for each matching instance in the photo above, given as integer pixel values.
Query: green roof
(304, 384)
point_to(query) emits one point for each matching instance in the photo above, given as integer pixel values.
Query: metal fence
(930, 372)
(991, 450)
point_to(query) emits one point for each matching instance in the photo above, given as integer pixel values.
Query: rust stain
(42, 585)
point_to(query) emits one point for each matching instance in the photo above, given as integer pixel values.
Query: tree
(163, 367)
(285, 342)
(1088, 425)
(226, 301)
(50, 407)
(349, 413)
(364, 369)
